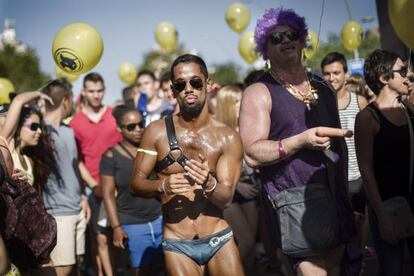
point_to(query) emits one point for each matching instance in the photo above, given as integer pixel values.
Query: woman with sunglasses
(29, 141)
(383, 147)
(136, 222)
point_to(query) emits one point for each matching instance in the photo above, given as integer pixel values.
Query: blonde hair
(355, 84)
(226, 105)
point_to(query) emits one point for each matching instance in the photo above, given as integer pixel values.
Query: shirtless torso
(193, 192)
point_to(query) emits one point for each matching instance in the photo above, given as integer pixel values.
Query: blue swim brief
(200, 250)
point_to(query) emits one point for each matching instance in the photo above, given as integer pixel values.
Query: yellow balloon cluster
(237, 17)
(166, 36)
(247, 47)
(402, 19)
(312, 43)
(6, 87)
(351, 35)
(127, 73)
(77, 48)
(65, 75)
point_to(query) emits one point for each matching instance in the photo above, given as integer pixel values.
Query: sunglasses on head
(403, 71)
(180, 84)
(131, 127)
(277, 37)
(32, 126)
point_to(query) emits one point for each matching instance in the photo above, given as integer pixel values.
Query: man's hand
(248, 191)
(119, 236)
(175, 184)
(319, 138)
(97, 191)
(198, 171)
(86, 209)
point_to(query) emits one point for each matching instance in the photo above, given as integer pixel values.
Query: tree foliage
(226, 73)
(369, 43)
(21, 68)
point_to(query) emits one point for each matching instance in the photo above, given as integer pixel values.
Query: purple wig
(278, 17)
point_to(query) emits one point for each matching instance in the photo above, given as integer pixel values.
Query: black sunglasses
(131, 127)
(277, 37)
(179, 85)
(403, 71)
(32, 126)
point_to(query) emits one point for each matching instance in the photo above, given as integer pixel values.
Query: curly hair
(43, 154)
(277, 17)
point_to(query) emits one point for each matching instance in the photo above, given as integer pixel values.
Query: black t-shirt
(131, 209)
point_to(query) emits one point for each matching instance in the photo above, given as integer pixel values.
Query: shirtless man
(196, 177)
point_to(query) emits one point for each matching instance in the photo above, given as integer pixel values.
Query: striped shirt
(347, 118)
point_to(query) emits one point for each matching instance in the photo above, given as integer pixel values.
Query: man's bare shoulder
(156, 129)
(256, 89)
(221, 130)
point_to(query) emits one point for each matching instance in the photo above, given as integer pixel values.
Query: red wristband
(282, 152)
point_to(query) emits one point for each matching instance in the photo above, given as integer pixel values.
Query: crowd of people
(183, 178)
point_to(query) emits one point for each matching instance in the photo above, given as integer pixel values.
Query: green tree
(21, 68)
(227, 73)
(159, 61)
(368, 44)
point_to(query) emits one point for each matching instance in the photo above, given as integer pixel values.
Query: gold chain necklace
(307, 98)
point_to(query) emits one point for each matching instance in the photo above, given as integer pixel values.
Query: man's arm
(255, 126)
(144, 165)
(228, 170)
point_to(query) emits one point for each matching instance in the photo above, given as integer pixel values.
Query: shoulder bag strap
(410, 130)
(126, 150)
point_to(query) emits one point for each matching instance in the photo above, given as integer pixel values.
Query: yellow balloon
(247, 47)
(6, 87)
(65, 75)
(402, 19)
(351, 35)
(312, 43)
(166, 36)
(237, 17)
(127, 73)
(77, 48)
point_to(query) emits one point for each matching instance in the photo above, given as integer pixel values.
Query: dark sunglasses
(402, 71)
(32, 126)
(179, 85)
(277, 37)
(131, 127)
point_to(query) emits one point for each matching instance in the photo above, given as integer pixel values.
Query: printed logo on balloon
(77, 48)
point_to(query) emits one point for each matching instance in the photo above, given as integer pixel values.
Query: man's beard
(192, 110)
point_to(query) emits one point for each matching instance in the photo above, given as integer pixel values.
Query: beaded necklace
(307, 98)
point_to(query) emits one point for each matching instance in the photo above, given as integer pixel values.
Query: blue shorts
(144, 243)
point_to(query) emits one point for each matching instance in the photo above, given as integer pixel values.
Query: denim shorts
(144, 243)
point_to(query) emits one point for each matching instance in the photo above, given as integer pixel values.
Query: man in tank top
(335, 71)
(284, 134)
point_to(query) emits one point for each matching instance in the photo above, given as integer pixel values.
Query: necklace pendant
(308, 106)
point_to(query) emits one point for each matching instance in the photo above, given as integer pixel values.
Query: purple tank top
(289, 116)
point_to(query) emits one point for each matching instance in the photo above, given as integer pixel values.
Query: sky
(127, 27)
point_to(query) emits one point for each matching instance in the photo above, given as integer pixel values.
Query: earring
(267, 66)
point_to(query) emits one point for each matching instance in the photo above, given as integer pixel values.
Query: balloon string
(320, 23)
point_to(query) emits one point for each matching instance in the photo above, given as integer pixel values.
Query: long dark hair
(43, 154)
